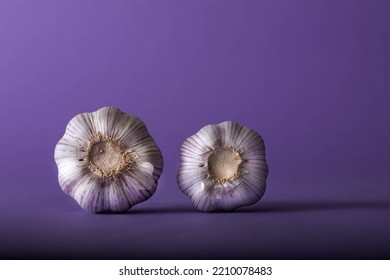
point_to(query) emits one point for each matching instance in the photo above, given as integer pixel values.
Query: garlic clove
(223, 167)
(107, 161)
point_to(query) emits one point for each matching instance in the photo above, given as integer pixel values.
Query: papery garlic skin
(223, 167)
(107, 161)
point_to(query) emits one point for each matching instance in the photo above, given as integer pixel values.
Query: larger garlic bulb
(107, 161)
(223, 167)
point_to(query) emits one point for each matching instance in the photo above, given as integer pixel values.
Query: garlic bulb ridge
(107, 161)
(223, 167)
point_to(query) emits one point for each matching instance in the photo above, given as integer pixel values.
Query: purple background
(311, 76)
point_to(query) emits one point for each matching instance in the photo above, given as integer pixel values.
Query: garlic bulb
(223, 167)
(107, 161)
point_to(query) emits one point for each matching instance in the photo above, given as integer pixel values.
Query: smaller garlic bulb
(223, 167)
(107, 161)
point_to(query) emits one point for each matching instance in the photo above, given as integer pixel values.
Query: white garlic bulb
(223, 167)
(107, 161)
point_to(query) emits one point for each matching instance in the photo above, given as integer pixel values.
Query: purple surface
(311, 76)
